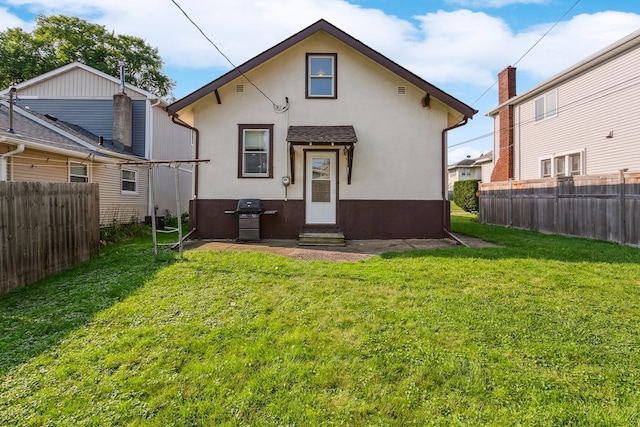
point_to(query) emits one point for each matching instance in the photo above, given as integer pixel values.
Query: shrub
(465, 194)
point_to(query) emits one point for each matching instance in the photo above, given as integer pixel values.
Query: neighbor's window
(575, 164)
(78, 172)
(255, 151)
(547, 106)
(321, 75)
(561, 165)
(545, 168)
(129, 181)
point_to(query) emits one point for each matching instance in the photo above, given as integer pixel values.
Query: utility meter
(286, 180)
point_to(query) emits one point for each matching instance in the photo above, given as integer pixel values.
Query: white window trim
(87, 165)
(567, 165)
(546, 114)
(136, 174)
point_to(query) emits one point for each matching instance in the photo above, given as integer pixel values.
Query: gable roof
(323, 25)
(77, 65)
(625, 44)
(49, 134)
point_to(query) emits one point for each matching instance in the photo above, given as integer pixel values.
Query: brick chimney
(503, 170)
(122, 120)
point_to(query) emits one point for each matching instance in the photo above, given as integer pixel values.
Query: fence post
(623, 214)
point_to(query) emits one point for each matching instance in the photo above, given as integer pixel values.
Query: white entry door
(321, 185)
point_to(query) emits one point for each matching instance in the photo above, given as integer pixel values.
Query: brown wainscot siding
(358, 219)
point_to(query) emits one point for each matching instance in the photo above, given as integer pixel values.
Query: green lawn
(541, 332)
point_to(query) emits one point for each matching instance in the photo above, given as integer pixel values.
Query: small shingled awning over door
(343, 135)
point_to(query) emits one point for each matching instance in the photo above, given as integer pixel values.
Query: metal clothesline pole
(151, 164)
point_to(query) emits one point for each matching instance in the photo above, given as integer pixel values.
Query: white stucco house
(579, 122)
(352, 142)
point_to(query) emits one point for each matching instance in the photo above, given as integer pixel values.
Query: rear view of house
(352, 142)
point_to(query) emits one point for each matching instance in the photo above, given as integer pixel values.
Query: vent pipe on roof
(122, 66)
(12, 96)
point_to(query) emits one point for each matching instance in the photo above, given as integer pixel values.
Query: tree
(59, 40)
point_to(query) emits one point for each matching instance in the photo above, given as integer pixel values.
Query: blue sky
(457, 45)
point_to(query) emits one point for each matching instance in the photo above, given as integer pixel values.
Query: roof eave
(623, 45)
(323, 25)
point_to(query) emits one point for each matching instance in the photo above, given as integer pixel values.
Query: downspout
(3, 159)
(446, 223)
(175, 119)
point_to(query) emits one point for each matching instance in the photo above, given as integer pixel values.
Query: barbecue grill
(249, 212)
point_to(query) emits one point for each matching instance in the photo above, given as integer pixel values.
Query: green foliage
(542, 331)
(116, 233)
(465, 194)
(172, 221)
(59, 40)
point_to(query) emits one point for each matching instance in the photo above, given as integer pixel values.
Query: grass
(542, 331)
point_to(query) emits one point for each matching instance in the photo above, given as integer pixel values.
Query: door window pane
(321, 180)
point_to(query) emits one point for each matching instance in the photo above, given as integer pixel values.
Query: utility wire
(592, 97)
(276, 107)
(530, 49)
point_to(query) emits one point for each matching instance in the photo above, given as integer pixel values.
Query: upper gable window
(547, 106)
(322, 75)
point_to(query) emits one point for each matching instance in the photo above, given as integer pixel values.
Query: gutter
(5, 156)
(176, 119)
(446, 223)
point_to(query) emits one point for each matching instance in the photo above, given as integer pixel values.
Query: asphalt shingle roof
(322, 134)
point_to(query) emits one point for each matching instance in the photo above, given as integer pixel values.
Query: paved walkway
(354, 250)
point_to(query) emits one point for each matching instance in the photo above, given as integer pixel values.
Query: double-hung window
(322, 75)
(546, 106)
(78, 172)
(129, 182)
(255, 151)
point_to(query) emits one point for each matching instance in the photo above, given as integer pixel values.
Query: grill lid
(249, 205)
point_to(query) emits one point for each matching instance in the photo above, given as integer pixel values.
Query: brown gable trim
(323, 25)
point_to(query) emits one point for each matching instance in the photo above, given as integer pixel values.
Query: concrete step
(307, 238)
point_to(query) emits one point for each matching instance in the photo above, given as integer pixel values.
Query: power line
(592, 97)
(530, 49)
(276, 107)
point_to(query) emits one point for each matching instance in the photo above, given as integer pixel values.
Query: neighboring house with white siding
(34, 147)
(85, 97)
(580, 122)
(463, 170)
(352, 143)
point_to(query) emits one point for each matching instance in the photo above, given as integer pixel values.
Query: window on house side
(545, 168)
(78, 172)
(546, 106)
(576, 164)
(321, 75)
(560, 169)
(255, 146)
(562, 165)
(129, 181)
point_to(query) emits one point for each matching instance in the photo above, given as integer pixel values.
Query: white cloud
(460, 49)
(9, 20)
(481, 4)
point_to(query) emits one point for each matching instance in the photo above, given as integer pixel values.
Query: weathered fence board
(44, 228)
(602, 207)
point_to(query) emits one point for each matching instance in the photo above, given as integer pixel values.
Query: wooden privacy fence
(602, 207)
(44, 228)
